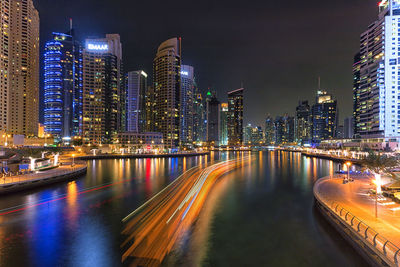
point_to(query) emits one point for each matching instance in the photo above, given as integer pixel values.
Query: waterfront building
(324, 117)
(19, 67)
(284, 130)
(269, 131)
(140, 140)
(247, 131)
(224, 125)
(150, 109)
(136, 101)
(303, 123)
(235, 117)
(359, 108)
(187, 105)
(199, 118)
(257, 136)
(348, 130)
(167, 87)
(63, 82)
(213, 119)
(104, 92)
(377, 106)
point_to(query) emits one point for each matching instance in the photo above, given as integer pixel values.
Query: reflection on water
(260, 215)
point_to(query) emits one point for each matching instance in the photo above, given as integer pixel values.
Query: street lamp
(348, 164)
(6, 136)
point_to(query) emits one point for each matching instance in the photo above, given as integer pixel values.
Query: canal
(259, 215)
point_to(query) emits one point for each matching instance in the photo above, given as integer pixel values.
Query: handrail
(383, 245)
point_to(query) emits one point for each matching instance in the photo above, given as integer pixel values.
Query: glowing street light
(348, 164)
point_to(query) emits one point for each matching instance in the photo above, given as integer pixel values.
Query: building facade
(377, 106)
(199, 118)
(269, 131)
(284, 130)
(213, 107)
(224, 125)
(324, 117)
(187, 92)
(19, 67)
(235, 117)
(136, 86)
(303, 123)
(63, 82)
(167, 89)
(104, 92)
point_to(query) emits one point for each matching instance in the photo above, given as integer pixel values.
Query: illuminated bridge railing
(386, 248)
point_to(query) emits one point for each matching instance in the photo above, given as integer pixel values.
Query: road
(355, 198)
(153, 229)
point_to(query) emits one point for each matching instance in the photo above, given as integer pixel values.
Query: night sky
(277, 49)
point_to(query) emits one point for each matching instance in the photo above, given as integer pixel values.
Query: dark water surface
(259, 215)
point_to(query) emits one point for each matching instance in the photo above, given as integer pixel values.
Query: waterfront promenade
(138, 156)
(355, 209)
(37, 178)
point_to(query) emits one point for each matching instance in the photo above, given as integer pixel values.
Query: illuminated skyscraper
(324, 117)
(187, 91)
(235, 117)
(224, 125)
(136, 101)
(167, 88)
(199, 118)
(19, 67)
(303, 123)
(213, 119)
(104, 93)
(269, 131)
(377, 105)
(63, 86)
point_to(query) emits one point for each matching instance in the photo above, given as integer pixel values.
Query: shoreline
(134, 156)
(370, 244)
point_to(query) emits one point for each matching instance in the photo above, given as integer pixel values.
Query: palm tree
(379, 164)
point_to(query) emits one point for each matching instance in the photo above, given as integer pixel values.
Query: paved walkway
(41, 174)
(355, 198)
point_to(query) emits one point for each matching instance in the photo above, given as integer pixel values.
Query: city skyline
(206, 48)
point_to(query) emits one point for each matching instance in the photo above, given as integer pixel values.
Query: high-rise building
(348, 131)
(224, 125)
(269, 131)
(213, 119)
(284, 130)
(247, 131)
(358, 107)
(324, 117)
(378, 106)
(136, 101)
(235, 117)
(199, 118)
(104, 91)
(187, 92)
(303, 123)
(257, 136)
(19, 67)
(63, 86)
(150, 109)
(167, 86)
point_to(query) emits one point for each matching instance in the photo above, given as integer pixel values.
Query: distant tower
(187, 91)
(19, 66)
(213, 119)
(63, 86)
(104, 90)
(303, 123)
(136, 101)
(235, 117)
(324, 117)
(167, 89)
(223, 137)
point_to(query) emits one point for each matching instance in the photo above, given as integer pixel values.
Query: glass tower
(63, 86)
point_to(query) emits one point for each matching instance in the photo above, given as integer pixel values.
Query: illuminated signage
(98, 47)
(184, 73)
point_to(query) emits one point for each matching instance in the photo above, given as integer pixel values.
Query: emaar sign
(97, 47)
